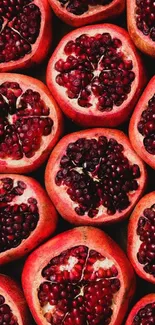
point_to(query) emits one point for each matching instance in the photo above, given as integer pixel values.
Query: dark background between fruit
(118, 231)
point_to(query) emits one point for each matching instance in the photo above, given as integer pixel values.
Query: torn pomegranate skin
(143, 310)
(84, 14)
(104, 249)
(27, 216)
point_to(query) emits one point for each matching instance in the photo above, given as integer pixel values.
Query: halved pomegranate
(141, 24)
(77, 13)
(27, 216)
(79, 277)
(142, 125)
(94, 177)
(30, 123)
(141, 238)
(96, 75)
(143, 312)
(25, 33)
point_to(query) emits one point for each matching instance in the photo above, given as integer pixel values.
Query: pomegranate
(77, 13)
(27, 216)
(13, 307)
(142, 125)
(141, 233)
(96, 75)
(94, 177)
(30, 123)
(25, 33)
(143, 312)
(79, 277)
(141, 24)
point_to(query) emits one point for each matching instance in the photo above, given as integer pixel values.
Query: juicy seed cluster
(97, 175)
(146, 126)
(79, 7)
(80, 288)
(6, 315)
(17, 221)
(19, 28)
(24, 121)
(146, 315)
(96, 72)
(145, 17)
(146, 233)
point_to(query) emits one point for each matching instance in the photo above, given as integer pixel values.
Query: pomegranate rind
(142, 42)
(27, 165)
(42, 45)
(92, 117)
(46, 225)
(133, 241)
(61, 199)
(93, 238)
(96, 13)
(148, 299)
(136, 138)
(14, 297)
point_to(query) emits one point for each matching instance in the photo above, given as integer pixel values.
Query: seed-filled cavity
(78, 7)
(145, 17)
(97, 176)
(6, 315)
(80, 288)
(19, 28)
(96, 73)
(24, 121)
(17, 220)
(146, 126)
(145, 315)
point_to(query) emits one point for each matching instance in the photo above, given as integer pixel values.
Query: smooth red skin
(115, 8)
(148, 299)
(45, 227)
(63, 203)
(87, 117)
(92, 238)
(12, 291)
(143, 42)
(42, 45)
(27, 165)
(146, 202)
(135, 136)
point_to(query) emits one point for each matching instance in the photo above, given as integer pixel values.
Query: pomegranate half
(25, 33)
(141, 24)
(141, 238)
(13, 307)
(94, 177)
(96, 75)
(79, 277)
(142, 125)
(143, 312)
(30, 123)
(27, 216)
(79, 13)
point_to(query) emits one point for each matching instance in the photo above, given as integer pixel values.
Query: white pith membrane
(8, 304)
(69, 6)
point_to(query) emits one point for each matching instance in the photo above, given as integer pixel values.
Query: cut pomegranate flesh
(78, 7)
(6, 315)
(145, 17)
(79, 288)
(145, 315)
(20, 25)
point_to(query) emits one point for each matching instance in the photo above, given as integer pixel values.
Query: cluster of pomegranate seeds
(145, 17)
(80, 288)
(97, 175)
(24, 121)
(20, 26)
(6, 315)
(17, 220)
(79, 7)
(146, 233)
(146, 126)
(96, 72)
(146, 315)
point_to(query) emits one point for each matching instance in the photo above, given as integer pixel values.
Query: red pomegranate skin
(94, 14)
(47, 219)
(146, 300)
(94, 239)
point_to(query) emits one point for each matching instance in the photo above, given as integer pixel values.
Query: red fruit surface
(143, 312)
